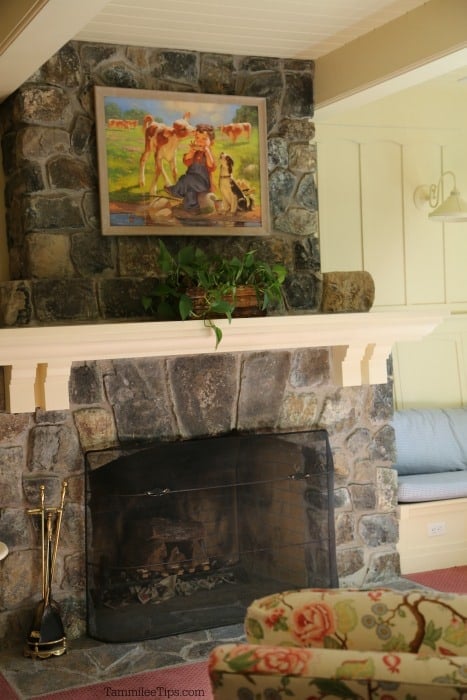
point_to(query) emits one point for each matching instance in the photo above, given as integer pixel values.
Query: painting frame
(145, 189)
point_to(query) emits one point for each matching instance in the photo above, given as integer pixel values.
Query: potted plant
(197, 285)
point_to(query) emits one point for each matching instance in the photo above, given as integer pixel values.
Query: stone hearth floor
(89, 661)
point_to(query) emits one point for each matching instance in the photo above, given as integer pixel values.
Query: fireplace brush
(47, 635)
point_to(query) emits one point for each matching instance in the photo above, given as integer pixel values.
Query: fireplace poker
(58, 527)
(47, 636)
(42, 507)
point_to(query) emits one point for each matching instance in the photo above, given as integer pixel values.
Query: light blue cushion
(430, 440)
(418, 488)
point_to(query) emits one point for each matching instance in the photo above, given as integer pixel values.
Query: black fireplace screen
(182, 536)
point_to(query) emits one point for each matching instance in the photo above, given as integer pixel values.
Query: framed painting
(175, 163)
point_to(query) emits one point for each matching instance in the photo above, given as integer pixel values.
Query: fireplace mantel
(38, 360)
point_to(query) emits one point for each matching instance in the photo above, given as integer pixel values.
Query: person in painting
(195, 186)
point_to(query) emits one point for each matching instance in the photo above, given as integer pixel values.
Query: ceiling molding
(16, 18)
(45, 28)
(369, 67)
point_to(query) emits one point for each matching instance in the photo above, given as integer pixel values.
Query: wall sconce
(453, 208)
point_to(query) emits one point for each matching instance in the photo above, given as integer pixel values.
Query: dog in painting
(233, 197)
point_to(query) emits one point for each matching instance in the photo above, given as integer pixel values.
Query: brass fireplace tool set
(47, 636)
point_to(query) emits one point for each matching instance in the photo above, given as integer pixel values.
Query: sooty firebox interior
(184, 535)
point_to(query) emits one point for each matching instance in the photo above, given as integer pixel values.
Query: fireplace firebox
(183, 535)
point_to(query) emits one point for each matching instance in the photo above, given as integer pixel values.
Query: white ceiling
(304, 29)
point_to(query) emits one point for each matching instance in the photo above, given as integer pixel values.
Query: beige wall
(370, 161)
(434, 371)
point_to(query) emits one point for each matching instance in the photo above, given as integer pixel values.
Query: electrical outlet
(436, 529)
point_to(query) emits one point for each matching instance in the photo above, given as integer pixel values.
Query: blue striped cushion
(430, 440)
(417, 488)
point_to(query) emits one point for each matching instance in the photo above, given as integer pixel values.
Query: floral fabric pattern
(341, 643)
(312, 623)
(377, 620)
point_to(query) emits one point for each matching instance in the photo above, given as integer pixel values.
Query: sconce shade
(454, 208)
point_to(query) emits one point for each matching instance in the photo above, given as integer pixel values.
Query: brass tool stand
(47, 636)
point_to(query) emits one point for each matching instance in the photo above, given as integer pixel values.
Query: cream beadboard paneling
(382, 222)
(423, 239)
(416, 263)
(427, 374)
(339, 206)
(361, 212)
(456, 262)
(433, 372)
(455, 235)
(376, 226)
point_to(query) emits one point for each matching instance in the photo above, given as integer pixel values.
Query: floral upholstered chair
(339, 643)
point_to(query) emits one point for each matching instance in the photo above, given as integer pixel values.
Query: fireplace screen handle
(158, 492)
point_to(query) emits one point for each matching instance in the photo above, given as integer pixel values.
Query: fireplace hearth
(182, 535)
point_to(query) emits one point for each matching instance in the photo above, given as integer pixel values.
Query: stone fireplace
(166, 394)
(86, 371)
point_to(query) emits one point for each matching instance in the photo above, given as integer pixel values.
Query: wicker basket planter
(244, 301)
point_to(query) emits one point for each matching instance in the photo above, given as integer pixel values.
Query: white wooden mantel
(37, 360)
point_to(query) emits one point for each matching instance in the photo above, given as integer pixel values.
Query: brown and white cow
(162, 141)
(122, 123)
(236, 129)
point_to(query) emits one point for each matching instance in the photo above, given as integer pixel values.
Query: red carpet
(6, 692)
(189, 680)
(452, 580)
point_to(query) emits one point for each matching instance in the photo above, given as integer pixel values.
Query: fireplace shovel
(47, 635)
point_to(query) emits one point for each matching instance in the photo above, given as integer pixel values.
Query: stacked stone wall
(63, 270)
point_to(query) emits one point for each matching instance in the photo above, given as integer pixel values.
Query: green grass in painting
(125, 146)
